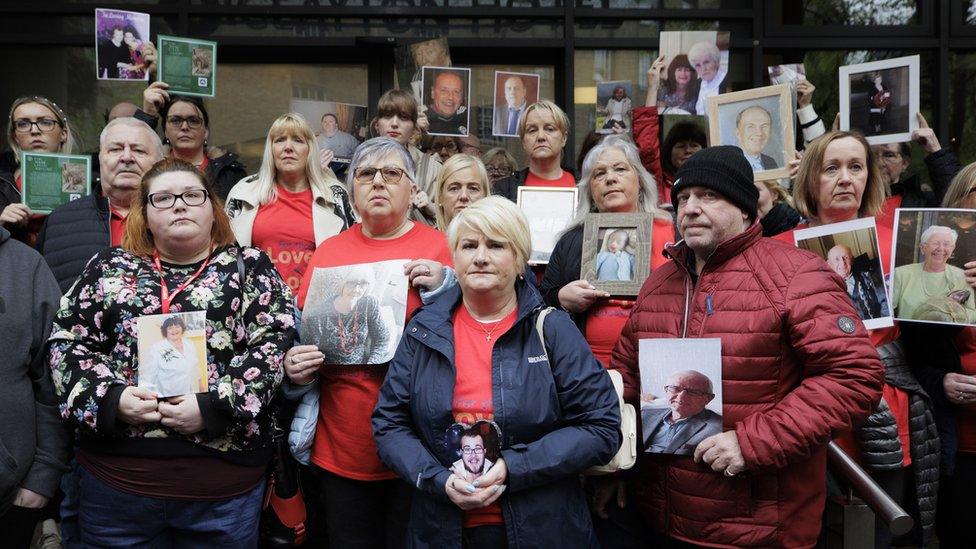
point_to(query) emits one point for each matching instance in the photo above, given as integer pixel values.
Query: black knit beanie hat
(723, 169)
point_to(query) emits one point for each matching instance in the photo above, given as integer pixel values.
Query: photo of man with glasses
(473, 463)
(678, 428)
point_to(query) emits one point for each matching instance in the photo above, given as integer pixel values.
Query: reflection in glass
(848, 12)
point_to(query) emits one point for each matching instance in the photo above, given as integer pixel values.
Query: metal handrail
(876, 499)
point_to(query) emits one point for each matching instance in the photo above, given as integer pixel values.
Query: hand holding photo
(616, 252)
(119, 42)
(189, 66)
(446, 94)
(698, 62)
(758, 121)
(681, 393)
(880, 99)
(50, 180)
(474, 448)
(173, 353)
(355, 313)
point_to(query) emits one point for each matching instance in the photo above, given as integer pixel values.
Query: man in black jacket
(76, 231)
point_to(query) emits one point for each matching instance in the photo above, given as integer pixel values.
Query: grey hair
(378, 147)
(684, 373)
(135, 123)
(701, 49)
(646, 196)
(927, 233)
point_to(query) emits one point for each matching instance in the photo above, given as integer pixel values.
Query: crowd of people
(95, 454)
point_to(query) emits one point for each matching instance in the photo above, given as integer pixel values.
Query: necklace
(491, 332)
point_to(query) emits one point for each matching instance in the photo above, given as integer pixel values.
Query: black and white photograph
(173, 353)
(614, 106)
(851, 249)
(446, 97)
(549, 210)
(514, 92)
(409, 58)
(474, 448)
(880, 99)
(698, 62)
(760, 122)
(681, 393)
(616, 252)
(932, 247)
(355, 313)
(339, 127)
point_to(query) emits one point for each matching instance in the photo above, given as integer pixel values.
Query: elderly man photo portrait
(686, 421)
(706, 59)
(511, 103)
(752, 130)
(473, 463)
(447, 112)
(797, 368)
(862, 287)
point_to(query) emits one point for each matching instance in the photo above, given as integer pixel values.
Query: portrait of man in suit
(514, 92)
(679, 428)
(752, 130)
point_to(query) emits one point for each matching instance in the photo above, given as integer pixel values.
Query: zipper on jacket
(688, 291)
(708, 304)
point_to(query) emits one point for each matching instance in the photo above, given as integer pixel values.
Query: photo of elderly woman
(929, 284)
(613, 106)
(173, 353)
(355, 313)
(615, 261)
(476, 447)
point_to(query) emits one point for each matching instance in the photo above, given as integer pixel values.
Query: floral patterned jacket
(93, 351)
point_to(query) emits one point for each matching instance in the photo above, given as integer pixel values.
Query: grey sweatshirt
(33, 440)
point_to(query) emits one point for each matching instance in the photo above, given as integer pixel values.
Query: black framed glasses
(194, 122)
(165, 201)
(467, 450)
(675, 389)
(24, 125)
(449, 145)
(391, 175)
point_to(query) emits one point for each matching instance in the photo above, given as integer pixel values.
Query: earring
(165, 140)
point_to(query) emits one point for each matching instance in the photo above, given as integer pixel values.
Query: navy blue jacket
(555, 422)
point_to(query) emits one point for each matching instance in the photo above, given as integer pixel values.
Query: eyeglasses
(889, 156)
(467, 450)
(391, 175)
(165, 201)
(675, 389)
(24, 125)
(194, 122)
(449, 145)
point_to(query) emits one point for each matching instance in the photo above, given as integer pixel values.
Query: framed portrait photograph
(446, 93)
(614, 106)
(930, 250)
(355, 313)
(549, 210)
(758, 121)
(617, 252)
(852, 250)
(173, 353)
(514, 92)
(880, 99)
(697, 64)
(120, 37)
(474, 448)
(680, 393)
(338, 127)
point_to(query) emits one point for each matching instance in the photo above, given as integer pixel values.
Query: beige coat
(243, 203)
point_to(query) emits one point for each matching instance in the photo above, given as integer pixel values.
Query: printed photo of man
(869, 299)
(447, 110)
(752, 129)
(686, 421)
(510, 111)
(473, 463)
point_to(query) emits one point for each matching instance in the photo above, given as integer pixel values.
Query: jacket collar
(682, 254)
(246, 190)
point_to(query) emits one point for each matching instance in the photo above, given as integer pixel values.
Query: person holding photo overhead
(364, 504)
(202, 457)
(476, 343)
(173, 361)
(615, 263)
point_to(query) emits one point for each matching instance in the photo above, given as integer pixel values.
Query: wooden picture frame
(598, 229)
(777, 101)
(549, 211)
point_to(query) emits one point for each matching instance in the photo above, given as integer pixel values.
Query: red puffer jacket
(792, 378)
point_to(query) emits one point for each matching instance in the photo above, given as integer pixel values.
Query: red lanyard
(166, 298)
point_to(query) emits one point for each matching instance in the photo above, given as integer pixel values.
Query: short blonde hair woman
(543, 130)
(463, 180)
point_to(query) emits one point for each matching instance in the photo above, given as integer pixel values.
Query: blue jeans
(109, 517)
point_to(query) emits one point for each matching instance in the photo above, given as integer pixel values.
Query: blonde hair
(808, 177)
(69, 143)
(962, 184)
(562, 121)
(294, 124)
(453, 165)
(780, 194)
(499, 219)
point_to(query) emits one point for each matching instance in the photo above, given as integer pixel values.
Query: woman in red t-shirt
(292, 204)
(463, 179)
(36, 125)
(543, 129)
(839, 180)
(364, 504)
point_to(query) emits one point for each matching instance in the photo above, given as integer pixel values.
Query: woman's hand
(804, 93)
(924, 136)
(138, 405)
(836, 125)
(579, 295)
(959, 388)
(154, 97)
(466, 496)
(149, 57)
(794, 165)
(182, 414)
(970, 272)
(424, 273)
(29, 500)
(606, 489)
(422, 202)
(496, 476)
(658, 67)
(15, 214)
(325, 158)
(422, 121)
(302, 362)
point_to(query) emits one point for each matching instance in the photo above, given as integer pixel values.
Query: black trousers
(484, 537)
(955, 505)
(364, 514)
(17, 526)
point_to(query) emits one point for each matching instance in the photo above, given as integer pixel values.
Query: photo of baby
(615, 261)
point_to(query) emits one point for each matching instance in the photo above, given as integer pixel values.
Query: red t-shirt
(606, 318)
(472, 386)
(116, 227)
(564, 180)
(344, 436)
(284, 230)
(966, 414)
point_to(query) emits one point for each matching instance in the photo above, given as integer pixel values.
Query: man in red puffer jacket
(797, 368)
